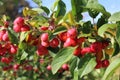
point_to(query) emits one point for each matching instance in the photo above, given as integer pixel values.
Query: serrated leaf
(22, 45)
(104, 27)
(115, 17)
(62, 57)
(59, 30)
(24, 55)
(93, 4)
(111, 68)
(39, 10)
(89, 67)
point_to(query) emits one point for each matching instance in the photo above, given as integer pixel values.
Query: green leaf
(45, 9)
(118, 34)
(116, 49)
(89, 67)
(22, 45)
(54, 5)
(76, 74)
(111, 68)
(93, 13)
(73, 65)
(61, 9)
(62, 57)
(59, 29)
(39, 10)
(93, 4)
(104, 27)
(87, 27)
(13, 36)
(24, 55)
(115, 17)
(23, 35)
(38, 2)
(77, 9)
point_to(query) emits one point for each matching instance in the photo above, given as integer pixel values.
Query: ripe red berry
(72, 33)
(13, 49)
(44, 37)
(77, 51)
(5, 37)
(43, 28)
(96, 47)
(70, 42)
(28, 67)
(5, 60)
(49, 68)
(54, 43)
(63, 36)
(1, 34)
(45, 44)
(19, 21)
(65, 67)
(42, 50)
(85, 50)
(105, 63)
(6, 24)
(81, 40)
(16, 67)
(98, 65)
(17, 28)
(25, 28)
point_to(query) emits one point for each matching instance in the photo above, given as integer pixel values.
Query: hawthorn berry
(54, 43)
(65, 67)
(41, 50)
(98, 65)
(72, 33)
(105, 63)
(17, 28)
(70, 42)
(63, 36)
(49, 68)
(25, 28)
(44, 37)
(19, 21)
(77, 51)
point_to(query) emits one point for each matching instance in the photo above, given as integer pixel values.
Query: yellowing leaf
(109, 51)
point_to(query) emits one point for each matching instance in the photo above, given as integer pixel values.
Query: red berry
(16, 67)
(70, 42)
(44, 37)
(98, 65)
(96, 47)
(1, 34)
(6, 24)
(17, 28)
(13, 49)
(72, 33)
(77, 51)
(43, 28)
(65, 67)
(25, 28)
(19, 21)
(81, 40)
(5, 37)
(54, 43)
(42, 50)
(5, 60)
(28, 67)
(45, 44)
(49, 68)
(85, 50)
(105, 63)
(63, 36)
